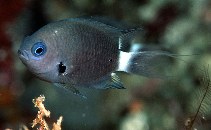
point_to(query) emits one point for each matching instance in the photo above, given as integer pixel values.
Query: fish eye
(38, 49)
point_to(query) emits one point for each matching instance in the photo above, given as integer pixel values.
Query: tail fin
(154, 64)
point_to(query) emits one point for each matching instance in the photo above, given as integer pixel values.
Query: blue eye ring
(39, 49)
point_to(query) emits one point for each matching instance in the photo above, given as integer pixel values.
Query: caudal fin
(155, 64)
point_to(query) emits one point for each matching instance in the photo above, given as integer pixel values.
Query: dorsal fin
(106, 28)
(126, 38)
(114, 28)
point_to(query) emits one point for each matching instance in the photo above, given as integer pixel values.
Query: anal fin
(114, 82)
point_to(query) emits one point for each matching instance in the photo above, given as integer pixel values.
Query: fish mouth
(23, 55)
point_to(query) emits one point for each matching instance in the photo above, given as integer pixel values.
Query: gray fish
(84, 52)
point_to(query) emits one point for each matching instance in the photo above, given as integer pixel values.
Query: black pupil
(39, 50)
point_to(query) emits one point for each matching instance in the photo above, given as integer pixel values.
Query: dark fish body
(82, 52)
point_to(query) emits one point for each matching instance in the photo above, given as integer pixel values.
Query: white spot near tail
(124, 57)
(124, 60)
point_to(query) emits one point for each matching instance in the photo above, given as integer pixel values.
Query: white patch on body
(124, 57)
(124, 60)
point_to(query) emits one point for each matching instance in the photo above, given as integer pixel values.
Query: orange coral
(57, 126)
(38, 102)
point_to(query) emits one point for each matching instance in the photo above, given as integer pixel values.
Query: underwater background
(181, 27)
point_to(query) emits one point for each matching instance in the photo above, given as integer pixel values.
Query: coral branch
(38, 102)
(57, 126)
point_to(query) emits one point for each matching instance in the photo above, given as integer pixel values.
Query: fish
(85, 52)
